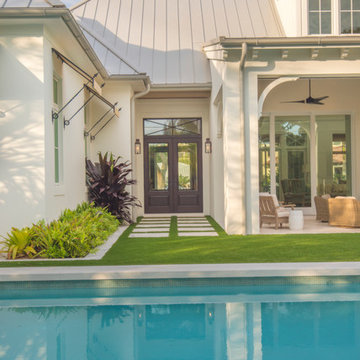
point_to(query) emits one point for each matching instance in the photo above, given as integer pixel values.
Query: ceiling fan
(309, 99)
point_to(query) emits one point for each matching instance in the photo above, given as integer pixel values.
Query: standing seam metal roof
(164, 38)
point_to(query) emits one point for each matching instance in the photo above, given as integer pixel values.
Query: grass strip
(221, 249)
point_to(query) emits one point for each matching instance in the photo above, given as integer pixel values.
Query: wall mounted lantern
(137, 147)
(208, 146)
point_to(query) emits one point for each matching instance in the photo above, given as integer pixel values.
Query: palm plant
(108, 183)
(19, 243)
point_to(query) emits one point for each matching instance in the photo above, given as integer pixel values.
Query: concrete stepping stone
(152, 226)
(142, 230)
(195, 228)
(155, 222)
(154, 235)
(198, 233)
(155, 219)
(190, 220)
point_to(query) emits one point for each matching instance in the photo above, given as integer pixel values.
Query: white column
(234, 157)
(252, 153)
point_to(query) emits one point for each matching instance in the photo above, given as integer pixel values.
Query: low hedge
(74, 234)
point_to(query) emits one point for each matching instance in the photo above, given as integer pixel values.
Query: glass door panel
(264, 154)
(292, 142)
(159, 166)
(333, 155)
(187, 166)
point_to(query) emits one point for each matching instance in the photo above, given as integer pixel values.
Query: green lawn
(222, 249)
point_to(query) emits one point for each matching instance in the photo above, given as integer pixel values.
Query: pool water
(234, 319)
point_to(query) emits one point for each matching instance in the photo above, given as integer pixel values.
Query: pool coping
(251, 270)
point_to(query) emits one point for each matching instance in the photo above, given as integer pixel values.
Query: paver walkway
(186, 226)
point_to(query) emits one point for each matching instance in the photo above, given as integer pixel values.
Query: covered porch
(297, 115)
(311, 226)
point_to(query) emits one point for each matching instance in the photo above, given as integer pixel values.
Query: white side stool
(296, 220)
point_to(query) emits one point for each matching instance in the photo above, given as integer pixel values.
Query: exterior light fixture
(137, 147)
(208, 146)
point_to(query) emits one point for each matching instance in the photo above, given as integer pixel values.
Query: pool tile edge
(179, 271)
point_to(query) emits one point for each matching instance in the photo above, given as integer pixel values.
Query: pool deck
(180, 271)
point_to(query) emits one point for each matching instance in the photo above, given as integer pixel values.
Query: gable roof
(164, 38)
(30, 3)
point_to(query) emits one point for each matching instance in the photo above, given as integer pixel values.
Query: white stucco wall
(28, 191)
(291, 13)
(22, 146)
(115, 137)
(216, 137)
(71, 189)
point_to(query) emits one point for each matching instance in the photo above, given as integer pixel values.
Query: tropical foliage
(108, 185)
(75, 234)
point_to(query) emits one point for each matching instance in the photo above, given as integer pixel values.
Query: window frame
(58, 173)
(351, 12)
(319, 12)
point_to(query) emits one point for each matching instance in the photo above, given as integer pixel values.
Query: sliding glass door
(303, 156)
(333, 155)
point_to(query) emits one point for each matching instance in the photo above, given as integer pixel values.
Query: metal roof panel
(164, 38)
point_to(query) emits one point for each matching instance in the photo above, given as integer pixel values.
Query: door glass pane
(334, 155)
(186, 126)
(187, 166)
(172, 127)
(293, 159)
(156, 127)
(158, 166)
(356, 5)
(264, 154)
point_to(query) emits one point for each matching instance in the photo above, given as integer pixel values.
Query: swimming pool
(224, 318)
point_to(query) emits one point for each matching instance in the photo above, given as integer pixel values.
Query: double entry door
(173, 174)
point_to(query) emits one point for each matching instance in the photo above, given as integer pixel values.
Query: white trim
(270, 87)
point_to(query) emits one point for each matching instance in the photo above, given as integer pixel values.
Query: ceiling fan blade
(321, 98)
(294, 101)
(308, 100)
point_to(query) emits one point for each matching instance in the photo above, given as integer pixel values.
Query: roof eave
(69, 21)
(286, 42)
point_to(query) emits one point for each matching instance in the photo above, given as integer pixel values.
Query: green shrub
(75, 234)
(108, 184)
(19, 243)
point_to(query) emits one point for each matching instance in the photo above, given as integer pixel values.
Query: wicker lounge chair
(271, 212)
(322, 208)
(344, 211)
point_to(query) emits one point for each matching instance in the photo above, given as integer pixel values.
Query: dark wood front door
(173, 174)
